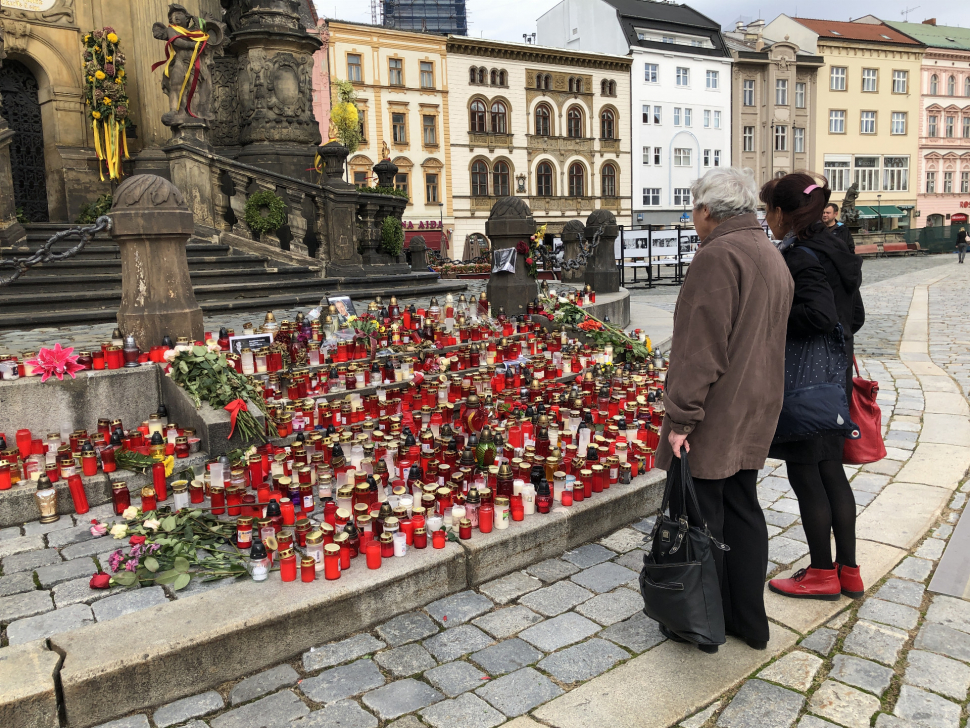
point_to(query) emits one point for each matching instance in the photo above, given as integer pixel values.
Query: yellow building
(868, 111)
(402, 86)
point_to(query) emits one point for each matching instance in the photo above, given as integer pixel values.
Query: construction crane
(376, 12)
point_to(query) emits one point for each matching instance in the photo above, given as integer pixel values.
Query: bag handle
(687, 483)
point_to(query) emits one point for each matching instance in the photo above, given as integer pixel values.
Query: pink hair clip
(810, 188)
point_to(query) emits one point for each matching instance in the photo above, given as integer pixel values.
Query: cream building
(546, 124)
(401, 80)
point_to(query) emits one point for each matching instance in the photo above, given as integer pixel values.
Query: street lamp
(879, 210)
(771, 149)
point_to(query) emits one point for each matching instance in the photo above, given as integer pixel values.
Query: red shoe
(851, 581)
(809, 584)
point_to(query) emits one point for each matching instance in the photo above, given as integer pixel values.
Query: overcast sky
(509, 19)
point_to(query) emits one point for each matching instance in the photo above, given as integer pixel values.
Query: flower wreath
(106, 99)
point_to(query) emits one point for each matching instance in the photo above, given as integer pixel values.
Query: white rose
(152, 524)
(119, 530)
(170, 355)
(129, 513)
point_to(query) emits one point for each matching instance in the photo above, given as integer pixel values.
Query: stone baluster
(320, 214)
(240, 183)
(296, 221)
(220, 201)
(370, 234)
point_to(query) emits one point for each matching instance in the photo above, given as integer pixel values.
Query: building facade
(402, 85)
(443, 17)
(546, 124)
(867, 116)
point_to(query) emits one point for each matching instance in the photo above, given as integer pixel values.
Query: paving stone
(944, 531)
(456, 678)
(26, 604)
(839, 620)
(54, 574)
(556, 599)
(91, 548)
(761, 705)
(783, 550)
(943, 640)
(10, 532)
(787, 505)
(343, 651)
(458, 608)
(128, 602)
(467, 710)
(604, 577)
(897, 615)
(183, 710)
(902, 592)
(456, 642)
(588, 555)
(560, 631)
(79, 591)
(844, 705)
(795, 670)
(506, 657)
(583, 662)
(406, 660)
(950, 612)
(875, 642)
(67, 536)
(700, 719)
(937, 673)
(34, 528)
(263, 683)
(782, 520)
(646, 525)
(958, 501)
(507, 588)
(506, 622)
(626, 539)
(30, 560)
(343, 714)
(870, 482)
(16, 583)
(131, 721)
(918, 705)
(552, 570)
(398, 698)
(342, 682)
(861, 673)
(11, 546)
(274, 711)
(931, 549)
(611, 608)
(51, 623)
(519, 692)
(862, 498)
(821, 641)
(913, 569)
(408, 721)
(638, 634)
(796, 533)
(407, 627)
(632, 560)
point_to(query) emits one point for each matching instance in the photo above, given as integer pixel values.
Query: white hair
(726, 192)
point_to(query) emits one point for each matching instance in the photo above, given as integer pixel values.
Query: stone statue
(850, 215)
(3, 53)
(189, 47)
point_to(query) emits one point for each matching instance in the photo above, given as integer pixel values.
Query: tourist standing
(830, 216)
(961, 243)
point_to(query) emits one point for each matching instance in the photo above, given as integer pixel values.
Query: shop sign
(422, 225)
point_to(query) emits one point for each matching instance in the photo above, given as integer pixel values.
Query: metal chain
(44, 254)
(436, 258)
(586, 251)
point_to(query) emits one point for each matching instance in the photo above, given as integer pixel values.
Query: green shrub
(91, 211)
(392, 236)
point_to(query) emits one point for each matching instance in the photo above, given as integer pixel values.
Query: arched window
(543, 127)
(502, 78)
(472, 75)
(544, 180)
(576, 178)
(479, 179)
(966, 86)
(604, 87)
(612, 88)
(477, 117)
(481, 75)
(606, 124)
(951, 86)
(493, 77)
(500, 179)
(609, 181)
(574, 123)
(934, 84)
(548, 83)
(498, 118)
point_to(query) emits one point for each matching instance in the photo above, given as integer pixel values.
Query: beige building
(546, 124)
(402, 84)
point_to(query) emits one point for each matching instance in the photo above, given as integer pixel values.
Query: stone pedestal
(191, 172)
(151, 226)
(11, 231)
(573, 233)
(419, 253)
(511, 221)
(385, 171)
(601, 271)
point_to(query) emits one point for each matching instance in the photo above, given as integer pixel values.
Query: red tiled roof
(880, 33)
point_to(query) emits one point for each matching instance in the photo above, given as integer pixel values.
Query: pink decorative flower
(56, 362)
(98, 529)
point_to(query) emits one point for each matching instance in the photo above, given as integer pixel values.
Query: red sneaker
(809, 584)
(851, 581)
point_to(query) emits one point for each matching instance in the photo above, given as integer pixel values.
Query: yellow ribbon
(199, 39)
(97, 147)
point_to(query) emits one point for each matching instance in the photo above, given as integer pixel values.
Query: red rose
(135, 540)
(100, 581)
(521, 247)
(529, 261)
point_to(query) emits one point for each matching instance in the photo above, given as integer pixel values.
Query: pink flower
(56, 362)
(98, 529)
(100, 581)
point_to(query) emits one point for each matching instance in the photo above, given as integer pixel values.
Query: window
(930, 183)
(837, 173)
(867, 122)
(717, 119)
(932, 123)
(951, 86)
(493, 77)
(479, 179)
(950, 123)
(895, 174)
(717, 157)
(707, 157)
(498, 118)
(577, 176)
(481, 75)
(682, 196)
(502, 78)
(606, 124)
(934, 84)
(401, 183)
(646, 155)
(476, 117)
(609, 181)
(646, 113)
(360, 179)
(683, 76)
(900, 82)
(362, 124)
(542, 120)
(651, 196)
(656, 114)
(688, 117)
(712, 80)
(427, 74)
(947, 182)
(781, 92)
(866, 173)
(428, 126)
(574, 123)
(707, 118)
(431, 187)
(836, 122)
(869, 80)
(354, 70)
(898, 123)
(472, 75)
(677, 116)
(650, 72)
(682, 156)
(799, 139)
(799, 95)
(748, 93)
(966, 86)
(781, 138)
(395, 75)
(500, 179)
(657, 151)
(748, 137)
(966, 127)
(837, 78)
(964, 181)
(544, 180)
(399, 129)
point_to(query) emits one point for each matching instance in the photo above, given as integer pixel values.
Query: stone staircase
(87, 288)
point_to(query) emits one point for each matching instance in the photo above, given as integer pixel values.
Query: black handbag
(679, 578)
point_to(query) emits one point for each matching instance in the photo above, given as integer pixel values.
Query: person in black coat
(830, 217)
(827, 278)
(961, 245)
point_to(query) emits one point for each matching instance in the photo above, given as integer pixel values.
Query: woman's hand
(677, 441)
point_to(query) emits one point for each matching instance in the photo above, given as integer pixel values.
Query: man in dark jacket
(830, 216)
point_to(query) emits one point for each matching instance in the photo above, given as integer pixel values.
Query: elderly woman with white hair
(725, 386)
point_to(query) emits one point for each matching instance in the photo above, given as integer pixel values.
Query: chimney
(930, 21)
(738, 27)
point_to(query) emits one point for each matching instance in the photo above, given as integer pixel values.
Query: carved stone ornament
(149, 192)
(285, 81)
(56, 12)
(16, 34)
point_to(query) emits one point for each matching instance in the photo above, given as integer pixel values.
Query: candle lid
(146, 492)
(308, 561)
(331, 549)
(286, 553)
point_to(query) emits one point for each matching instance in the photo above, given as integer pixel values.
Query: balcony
(489, 140)
(610, 145)
(563, 146)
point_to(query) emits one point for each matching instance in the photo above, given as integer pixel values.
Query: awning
(874, 211)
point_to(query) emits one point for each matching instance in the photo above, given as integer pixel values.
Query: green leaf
(183, 367)
(151, 564)
(199, 350)
(125, 578)
(167, 577)
(181, 581)
(169, 523)
(181, 564)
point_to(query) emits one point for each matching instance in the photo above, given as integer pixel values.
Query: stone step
(81, 266)
(104, 249)
(112, 280)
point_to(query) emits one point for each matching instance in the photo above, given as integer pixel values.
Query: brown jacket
(727, 358)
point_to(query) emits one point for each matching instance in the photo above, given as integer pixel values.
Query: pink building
(321, 79)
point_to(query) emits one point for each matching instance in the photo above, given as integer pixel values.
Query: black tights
(827, 506)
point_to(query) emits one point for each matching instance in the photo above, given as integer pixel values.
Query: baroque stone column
(152, 224)
(572, 235)
(601, 271)
(511, 221)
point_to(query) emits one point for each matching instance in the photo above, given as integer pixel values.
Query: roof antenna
(905, 13)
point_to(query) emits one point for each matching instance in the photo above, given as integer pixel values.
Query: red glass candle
(217, 496)
(108, 460)
(374, 558)
(420, 538)
(97, 360)
(465, 529)
(308, 571)
(120, 497)
(78, 495)
(234, 500)
(438, 539)
(288, 511)
(6, 481)
(287, 565)
(600, 479)
(149, 500)
(345, 550)
(196, 492)
(331, 561)
(486, 517)
(24, 442)
(158, 480)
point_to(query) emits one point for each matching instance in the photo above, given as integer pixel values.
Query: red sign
(964, 203)
(422, 225)
(958, 217)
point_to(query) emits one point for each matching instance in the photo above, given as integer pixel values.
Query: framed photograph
(252, 342)
(344, 306)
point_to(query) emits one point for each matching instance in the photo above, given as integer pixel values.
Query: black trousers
(730, 507)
